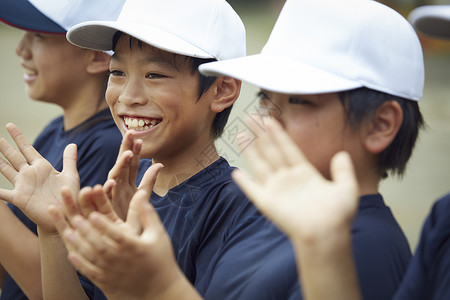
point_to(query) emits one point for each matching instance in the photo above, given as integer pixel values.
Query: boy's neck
(75, 115)
(368, 183)
(182, 168)
(83, 103)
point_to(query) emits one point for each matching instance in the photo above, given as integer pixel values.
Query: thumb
(70, 160)
(342, 171)
(153, 228)
(136, 205)
(149, 178)
(250, 188)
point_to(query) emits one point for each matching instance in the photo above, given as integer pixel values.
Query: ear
(384, 127)
(226, 91)
(98, 62)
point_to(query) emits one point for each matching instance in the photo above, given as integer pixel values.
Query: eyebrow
(153, 59)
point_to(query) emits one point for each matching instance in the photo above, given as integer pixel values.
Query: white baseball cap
(56, 16)
(321, 46)
(196, 28)
(432, 20)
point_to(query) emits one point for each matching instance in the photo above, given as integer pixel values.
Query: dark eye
(266, 106)
(116, 73)
(155, 76)
(38, 35)
(263, 98)
(298, 100)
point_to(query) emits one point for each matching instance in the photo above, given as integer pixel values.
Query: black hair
(205, 82)
(362, 103)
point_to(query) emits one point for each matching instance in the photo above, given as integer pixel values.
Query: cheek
(300, 128)
(55, 70)
(175, 102)
(112, 94)
(313, 140)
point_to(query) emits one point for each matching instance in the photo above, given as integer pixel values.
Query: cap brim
(98, 35)
(432, 20)
(279, 74)
(23, 15)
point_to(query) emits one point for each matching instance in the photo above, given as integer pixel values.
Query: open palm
(36, 183)
(290, 191)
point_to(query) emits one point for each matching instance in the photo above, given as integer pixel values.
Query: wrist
(178, 288)
(324, 241)
(47, 234)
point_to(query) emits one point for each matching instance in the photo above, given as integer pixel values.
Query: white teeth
(139, 124)
(29, 72)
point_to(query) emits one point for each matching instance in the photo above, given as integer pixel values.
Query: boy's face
(53, 67)
(316, 123)
(156, 94)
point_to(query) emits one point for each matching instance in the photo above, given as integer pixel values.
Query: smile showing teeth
(30, 73)
(140, 124)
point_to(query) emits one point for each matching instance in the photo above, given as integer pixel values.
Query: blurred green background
(410, 198)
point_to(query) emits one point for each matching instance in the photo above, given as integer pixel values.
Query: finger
(267, 147)
(91, 271)
(153, 229)
(70, 207)
(133, 216)
(70, 161)
(149, 178)
(108, 187)
(250, 188)
(134, 164)
(86, 202)
(127, 142)
(258, 129)
(109, 229)
(8, 171)
(149, 217)
(58, 219)
(75, 242)
(125, 146)
(91, 243)
(25, 148)
(7, 195)
(343, 172)
(121, 167)
(14, 157)
(102, 204)
(286, 147)
(258, 166)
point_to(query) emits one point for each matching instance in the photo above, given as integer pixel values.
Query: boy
(155, 91)
(324, 260)
(343, 82)
(317, 50)
(59, 73)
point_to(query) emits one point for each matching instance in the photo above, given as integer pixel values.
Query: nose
(23, 47)
(133, 92)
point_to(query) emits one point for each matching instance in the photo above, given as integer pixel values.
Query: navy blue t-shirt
(258, 261)
(98, 141)
(199, 214)
(428, 276)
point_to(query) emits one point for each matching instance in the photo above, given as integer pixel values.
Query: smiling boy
(156, 91)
